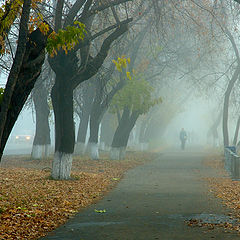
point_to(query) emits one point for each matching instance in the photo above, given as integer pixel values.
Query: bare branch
(58, 17)
(91, 38)
(73, 12)
(115, 15)
(238, 1)
(95, 10)
(94, 64)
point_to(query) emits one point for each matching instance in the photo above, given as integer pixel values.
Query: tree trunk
(122, 133)
(213, 131)
(86, 106)
(236, 132)
(143, 128)
(94, 131)
(132, 121)
(62, 98)
(107, 129)
(14, 74)
(42, 142)
(82, 134)
(99, 107)
(29, 72)
(226, 106)
(95, 119)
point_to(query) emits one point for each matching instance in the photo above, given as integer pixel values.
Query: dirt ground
(166, 199)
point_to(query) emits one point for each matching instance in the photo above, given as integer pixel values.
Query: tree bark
(82, 134)
(107, 129)
(226, 106)
(30, 69)
(42, 141)
(62, 99)
(15, 69)
(94, 133)
(229, 89)
(121, 135)
(142, 141)
(213, 131)
(236, 132)
(84, 115)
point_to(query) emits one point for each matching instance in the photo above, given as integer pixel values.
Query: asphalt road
(152, 202)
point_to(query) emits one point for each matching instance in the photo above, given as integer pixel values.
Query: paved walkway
(151, 202)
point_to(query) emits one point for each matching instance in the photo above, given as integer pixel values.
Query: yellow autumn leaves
(121, 63)
(8, 12)
(136, 93)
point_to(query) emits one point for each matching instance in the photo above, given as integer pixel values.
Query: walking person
(183, 138)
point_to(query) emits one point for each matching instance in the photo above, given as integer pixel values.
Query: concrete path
(151, 202)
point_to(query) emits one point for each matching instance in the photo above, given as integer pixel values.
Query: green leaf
(100, 211)
(115, 179)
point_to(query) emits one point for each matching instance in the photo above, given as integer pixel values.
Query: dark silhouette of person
(183, 138)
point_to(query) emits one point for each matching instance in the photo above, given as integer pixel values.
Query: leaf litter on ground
(223, 187)
(31, 204)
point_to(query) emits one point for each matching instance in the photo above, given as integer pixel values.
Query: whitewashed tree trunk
(80, 148)
(41, 151)
(93, 150)
(102, 146)
(143, 147)
(122, 153)
(48, 150)
(117, 153)
(38, 151)
(62, 164)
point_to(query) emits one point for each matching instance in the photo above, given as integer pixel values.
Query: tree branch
(91, 38)
(58, 17)
(94, 64)
(230, 36)
(73, 12)
(115, 15)
(102, 7)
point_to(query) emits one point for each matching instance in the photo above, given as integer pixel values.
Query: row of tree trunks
(99, 108)
(68, 76)
(101, 100)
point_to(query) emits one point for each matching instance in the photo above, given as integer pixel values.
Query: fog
(195, 119)
(130, 108)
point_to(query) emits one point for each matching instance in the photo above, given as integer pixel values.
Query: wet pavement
(153, 201)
